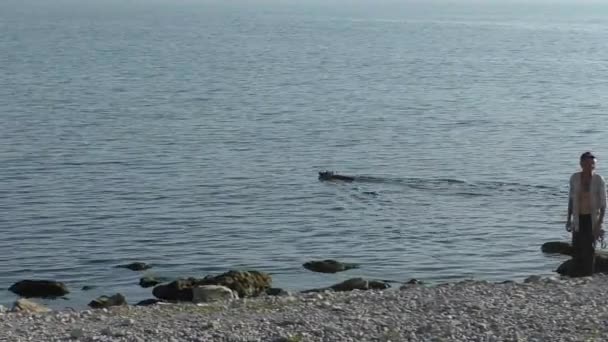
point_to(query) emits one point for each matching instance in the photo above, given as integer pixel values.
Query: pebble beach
(539, 309)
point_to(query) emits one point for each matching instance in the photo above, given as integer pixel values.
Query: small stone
(128, 322)
(532, 279)
(105, 301)
(212, 325)
(148, 302)
(151, 331)
(212, 293)
(77, 333)
(25, 305)
(277, 292)
(553, 280)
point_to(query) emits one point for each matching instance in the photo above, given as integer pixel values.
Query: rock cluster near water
(243, 283)
(243, 306)
(541, 309)
(226, 286)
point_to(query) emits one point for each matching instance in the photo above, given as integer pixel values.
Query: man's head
(588, 161)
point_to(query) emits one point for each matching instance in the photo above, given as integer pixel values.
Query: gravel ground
(549, 309)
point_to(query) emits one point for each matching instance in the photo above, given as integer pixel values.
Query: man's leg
(577, 253)
(587, 249)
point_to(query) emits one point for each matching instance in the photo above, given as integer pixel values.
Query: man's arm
(569, 208)
(602, 200)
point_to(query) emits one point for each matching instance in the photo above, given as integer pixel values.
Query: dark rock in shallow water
(244, 283)
(150, 281)
(106, 302)
(88, 287)
(558, 247)
(136, 266)
(39, 288)
(328, 266)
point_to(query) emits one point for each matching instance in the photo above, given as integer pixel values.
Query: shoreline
(543, 308)
(85, 296)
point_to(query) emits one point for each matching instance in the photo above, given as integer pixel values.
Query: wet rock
(39, 288)
(558, 247)
(411, 283)
(212, 293)
(244, 283)
(378, 285)
(148, 302)
(533, 279)
(24, 305)
(273, 291)
(328, 266)
(177, 290)
(149, 281)
(360, 284)
(88, 287)
(77, 333)
(106, 302)
(565, 268)
(136, 266)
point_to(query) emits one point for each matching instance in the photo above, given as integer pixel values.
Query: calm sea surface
(189, 135)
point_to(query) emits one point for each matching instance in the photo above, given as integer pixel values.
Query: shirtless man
(586, 208)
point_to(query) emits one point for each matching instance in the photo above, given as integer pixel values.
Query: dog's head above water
(326, 174)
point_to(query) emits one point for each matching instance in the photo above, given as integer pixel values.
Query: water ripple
(126, 139)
